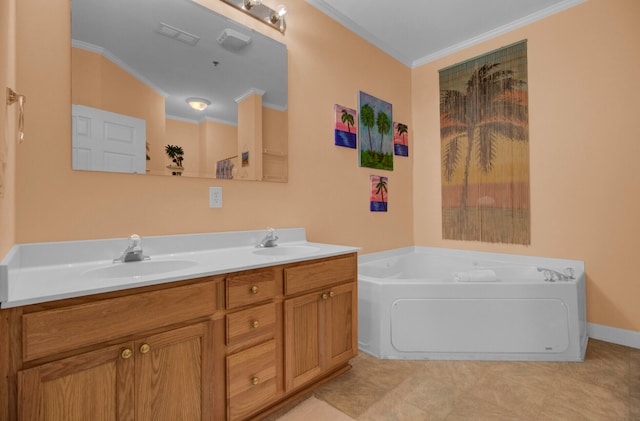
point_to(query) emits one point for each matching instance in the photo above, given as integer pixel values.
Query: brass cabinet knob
(254, 289)
(126, 353)
(144, 348)
(255, 381)
(255, 324)
(332, 294)
(324, 295)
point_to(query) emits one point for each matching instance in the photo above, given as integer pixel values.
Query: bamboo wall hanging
(484, 138)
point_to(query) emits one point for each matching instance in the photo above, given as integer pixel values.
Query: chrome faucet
(551, 275)
(269, 240)
(133, 253)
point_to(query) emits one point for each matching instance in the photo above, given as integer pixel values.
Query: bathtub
(427, 303)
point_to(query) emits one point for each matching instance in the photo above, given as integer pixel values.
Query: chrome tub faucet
(551, 275)
(133, 252)
(269, 240)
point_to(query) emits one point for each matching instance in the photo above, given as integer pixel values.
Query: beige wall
(327, 192)
(186, 135)
(584, 82)
(250, 137)
(274, 136)
(99, 83)
(218, 141)
(7, 126)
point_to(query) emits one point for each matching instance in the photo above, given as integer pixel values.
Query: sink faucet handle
(269, 239)
(135, 242)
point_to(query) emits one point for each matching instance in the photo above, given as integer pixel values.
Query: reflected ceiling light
(265, 14)
(233, 40)
(198, 104)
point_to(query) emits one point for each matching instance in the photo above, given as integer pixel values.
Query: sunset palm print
(400, 139)
(345, 130)
(379, 197)
(484, 135)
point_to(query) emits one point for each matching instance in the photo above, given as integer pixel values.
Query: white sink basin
(286, 250)
(134, 269)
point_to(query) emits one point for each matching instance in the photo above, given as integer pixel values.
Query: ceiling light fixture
(233, 40)
(265, 14)
(198, 104)
(278, 14)
(250, 4)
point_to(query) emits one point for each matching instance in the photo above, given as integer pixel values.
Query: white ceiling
(125, 31)
(416, 32)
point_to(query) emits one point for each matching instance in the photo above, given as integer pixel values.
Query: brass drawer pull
(255, 381)
(126, 353)
(144, 348)
(255, 324)
(332, 294)
(324, 295)
(254, 289)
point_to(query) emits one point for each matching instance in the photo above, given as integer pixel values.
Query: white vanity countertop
(41, 272)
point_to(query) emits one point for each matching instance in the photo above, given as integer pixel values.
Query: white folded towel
(478, 275)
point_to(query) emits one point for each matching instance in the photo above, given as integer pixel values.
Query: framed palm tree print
(346, 126)
(379, 196)
(400, 139)
(484, 146)
(375, 149)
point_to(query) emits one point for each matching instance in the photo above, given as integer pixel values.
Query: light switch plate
(215, 197)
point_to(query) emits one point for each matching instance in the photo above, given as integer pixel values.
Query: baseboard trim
(614, 335)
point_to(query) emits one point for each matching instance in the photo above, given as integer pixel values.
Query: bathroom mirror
(135, 65)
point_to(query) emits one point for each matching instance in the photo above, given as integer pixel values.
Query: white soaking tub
(433, 303)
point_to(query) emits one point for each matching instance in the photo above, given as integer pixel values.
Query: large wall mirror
(136, 65)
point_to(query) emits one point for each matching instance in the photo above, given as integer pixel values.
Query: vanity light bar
(265, 14)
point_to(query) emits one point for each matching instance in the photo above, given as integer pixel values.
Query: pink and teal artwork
(376, 138)
(400, 139)
(346, 127)
(379, 194)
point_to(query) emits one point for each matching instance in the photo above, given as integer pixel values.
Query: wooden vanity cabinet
(237, 346)
(253, 331)
(314, 305)
(155, 378)
(320, 319)
(164, 375)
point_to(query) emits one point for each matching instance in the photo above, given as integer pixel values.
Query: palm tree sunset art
(484, 138)
(379, 197)
(400, 139)
(345, 129)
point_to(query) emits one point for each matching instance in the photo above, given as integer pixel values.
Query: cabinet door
(172, 370)
(302, 347)
(93, 386)
(341, 324)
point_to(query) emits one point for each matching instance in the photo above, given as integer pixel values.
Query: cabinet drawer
(250, 288)
(253, 323)
(317, 275)
(67, 328)
(251, 379)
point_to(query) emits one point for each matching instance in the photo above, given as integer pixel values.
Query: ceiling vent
(177, 34)
(233, 40)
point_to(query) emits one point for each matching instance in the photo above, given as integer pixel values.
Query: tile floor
(605, 387)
